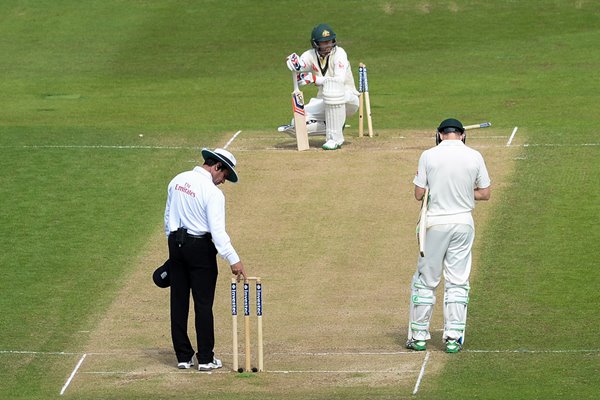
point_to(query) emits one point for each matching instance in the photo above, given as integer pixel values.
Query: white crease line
(421, 374)
(119, 147)
(226, 371)
(345, 353)
(66, 385)
(512, 136)
(560, 145)
(146, 373)
(46, 353)
(349, 371)
(317, 353)
(525, 351)
(232, 139)
(100, 146)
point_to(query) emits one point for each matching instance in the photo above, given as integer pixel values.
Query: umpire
(195, 228)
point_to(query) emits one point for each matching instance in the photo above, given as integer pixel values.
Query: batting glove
(306, 78)
(295, 63)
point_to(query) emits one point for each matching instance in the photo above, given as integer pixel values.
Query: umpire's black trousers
(193, 267)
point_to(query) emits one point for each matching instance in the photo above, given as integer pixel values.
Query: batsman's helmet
(161, 275)
(322, 33)
(447, 126)
(450, 125)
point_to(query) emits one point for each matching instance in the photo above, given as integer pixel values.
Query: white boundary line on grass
(68, 382)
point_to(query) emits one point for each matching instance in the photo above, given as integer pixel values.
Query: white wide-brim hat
(226, 158)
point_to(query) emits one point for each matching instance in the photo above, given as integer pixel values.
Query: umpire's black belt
(203, 236)
(181, 235)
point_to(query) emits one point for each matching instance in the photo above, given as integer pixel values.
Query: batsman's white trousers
(315, 108)
(447, 253)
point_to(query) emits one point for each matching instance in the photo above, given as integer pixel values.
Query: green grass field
(83, 194)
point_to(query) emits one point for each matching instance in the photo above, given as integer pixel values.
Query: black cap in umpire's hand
(161, 276)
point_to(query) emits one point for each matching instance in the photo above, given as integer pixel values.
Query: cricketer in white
(456, 176)
(326, 65)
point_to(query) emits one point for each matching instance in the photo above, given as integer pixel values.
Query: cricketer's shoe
(331, 145)
(186, 365)
(453, 346)
(417, 345)
(313, 127)
(215, 364)
(288, 130)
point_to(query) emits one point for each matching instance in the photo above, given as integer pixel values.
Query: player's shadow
(161, 356)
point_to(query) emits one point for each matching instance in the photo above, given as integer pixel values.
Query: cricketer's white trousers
(448, 253)
(316, 110)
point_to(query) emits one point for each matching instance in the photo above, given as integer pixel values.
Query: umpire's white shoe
(186, 365)
(215, 364)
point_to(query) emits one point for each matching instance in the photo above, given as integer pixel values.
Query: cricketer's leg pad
(334, 97)
(335, 117)
(422, 300)
(456, 299)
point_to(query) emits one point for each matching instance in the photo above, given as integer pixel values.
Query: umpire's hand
(238, 270)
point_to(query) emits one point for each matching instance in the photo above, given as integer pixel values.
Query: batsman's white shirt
(452, 171)
(194, 202)
(338, 68)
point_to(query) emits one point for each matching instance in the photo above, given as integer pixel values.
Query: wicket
(259, 329)
(363, 88)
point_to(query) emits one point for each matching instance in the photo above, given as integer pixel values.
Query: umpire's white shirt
(194, 202)
(452, 171)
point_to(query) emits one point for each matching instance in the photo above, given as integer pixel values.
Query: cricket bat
(422, 223)
(477, 126)
(299, 115)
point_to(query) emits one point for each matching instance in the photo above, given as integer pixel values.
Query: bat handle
(295, 80)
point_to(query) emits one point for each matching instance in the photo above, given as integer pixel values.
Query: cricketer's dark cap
(161, 276)
(451, 125)
(226, 158)
(321, 33)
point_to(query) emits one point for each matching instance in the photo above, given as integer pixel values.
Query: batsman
(326, 65)
(456, 176)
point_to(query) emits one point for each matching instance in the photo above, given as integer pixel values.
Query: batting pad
(335, 117)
